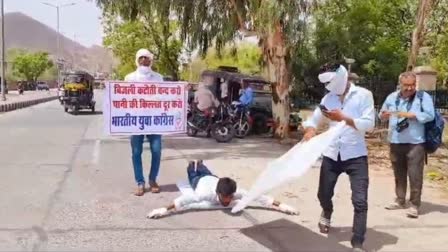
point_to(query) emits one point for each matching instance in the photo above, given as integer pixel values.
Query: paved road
(64, 185)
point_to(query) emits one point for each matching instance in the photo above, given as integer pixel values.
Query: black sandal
(324, 224)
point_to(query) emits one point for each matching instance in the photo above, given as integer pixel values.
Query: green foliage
(204, 24)
(437, 39)
(374, 32)
(50, 74)
(247, 57)
(126, 38)
(30, 66)
(11, 55)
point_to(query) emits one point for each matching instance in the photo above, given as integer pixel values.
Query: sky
(80, 21)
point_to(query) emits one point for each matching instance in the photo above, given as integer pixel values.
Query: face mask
(144, 69)
(336, 82)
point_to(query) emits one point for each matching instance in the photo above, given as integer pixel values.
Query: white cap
(143, 53)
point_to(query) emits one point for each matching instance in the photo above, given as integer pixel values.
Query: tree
(11, 55)
(31, 66)
(126, 37)
(418, 35)
(437, 40)
(375, 33)
(204, 23)
(247, 57)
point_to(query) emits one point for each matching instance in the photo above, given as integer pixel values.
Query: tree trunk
(423, 12)
(276, 70)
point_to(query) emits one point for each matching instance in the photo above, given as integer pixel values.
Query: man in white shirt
(211, 192)
(143, 60)
(224, 87)
(204, 98)
(354, 105)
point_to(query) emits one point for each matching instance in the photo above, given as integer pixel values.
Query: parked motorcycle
(215, 122)
(241, 120)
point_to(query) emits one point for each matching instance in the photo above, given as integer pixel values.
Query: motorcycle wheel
(191, 131)
(242, 129)
(223, 133)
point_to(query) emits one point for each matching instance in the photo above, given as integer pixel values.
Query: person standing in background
(407, 115)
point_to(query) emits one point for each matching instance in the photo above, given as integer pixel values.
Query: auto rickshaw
(258, 116)
(78, 91)
(260, 111)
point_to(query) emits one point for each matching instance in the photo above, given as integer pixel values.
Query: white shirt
(224, 89)
(138, 76)
(205, 196)
(358, 104)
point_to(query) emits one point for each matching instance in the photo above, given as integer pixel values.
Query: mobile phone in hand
(323, 108)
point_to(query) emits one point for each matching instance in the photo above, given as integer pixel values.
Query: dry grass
(445, 134)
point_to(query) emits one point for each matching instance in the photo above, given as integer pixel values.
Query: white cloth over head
(336, 82)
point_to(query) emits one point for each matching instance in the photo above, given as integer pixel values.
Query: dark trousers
(195, 174)
(408, 160)
(357, 170)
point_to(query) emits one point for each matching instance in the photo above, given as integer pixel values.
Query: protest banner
(141, 108)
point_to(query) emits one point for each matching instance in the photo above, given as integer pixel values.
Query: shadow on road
(427, 208)
(285, 235)
(375, 240)
(169, 188)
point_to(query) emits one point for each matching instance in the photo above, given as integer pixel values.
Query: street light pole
(2, 64)
(58, 42)
(58, 46)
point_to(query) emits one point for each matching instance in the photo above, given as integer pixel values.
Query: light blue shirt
(358, 104)
(247, 97)
(415, 133)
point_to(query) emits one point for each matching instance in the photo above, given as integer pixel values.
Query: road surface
(66, 186)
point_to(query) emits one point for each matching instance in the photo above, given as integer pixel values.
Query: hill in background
(22, 31)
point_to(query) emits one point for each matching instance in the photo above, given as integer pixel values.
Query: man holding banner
(143, 60)
(348, 154)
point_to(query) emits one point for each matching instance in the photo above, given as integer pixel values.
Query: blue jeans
(194, 175)
(155, 142)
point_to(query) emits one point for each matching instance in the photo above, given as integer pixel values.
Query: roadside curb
(24, 104)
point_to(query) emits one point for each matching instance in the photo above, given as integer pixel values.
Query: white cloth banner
(291, 165)
(141, 108)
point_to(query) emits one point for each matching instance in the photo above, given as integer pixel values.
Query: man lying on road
(211, 192)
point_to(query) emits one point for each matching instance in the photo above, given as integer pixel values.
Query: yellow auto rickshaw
(78, 91)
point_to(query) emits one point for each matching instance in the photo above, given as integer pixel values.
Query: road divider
(23, 104)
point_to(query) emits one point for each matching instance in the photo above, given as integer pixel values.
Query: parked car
(42, 85)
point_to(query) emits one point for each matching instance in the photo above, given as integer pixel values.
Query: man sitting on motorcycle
(204, 98)
(246, 97)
